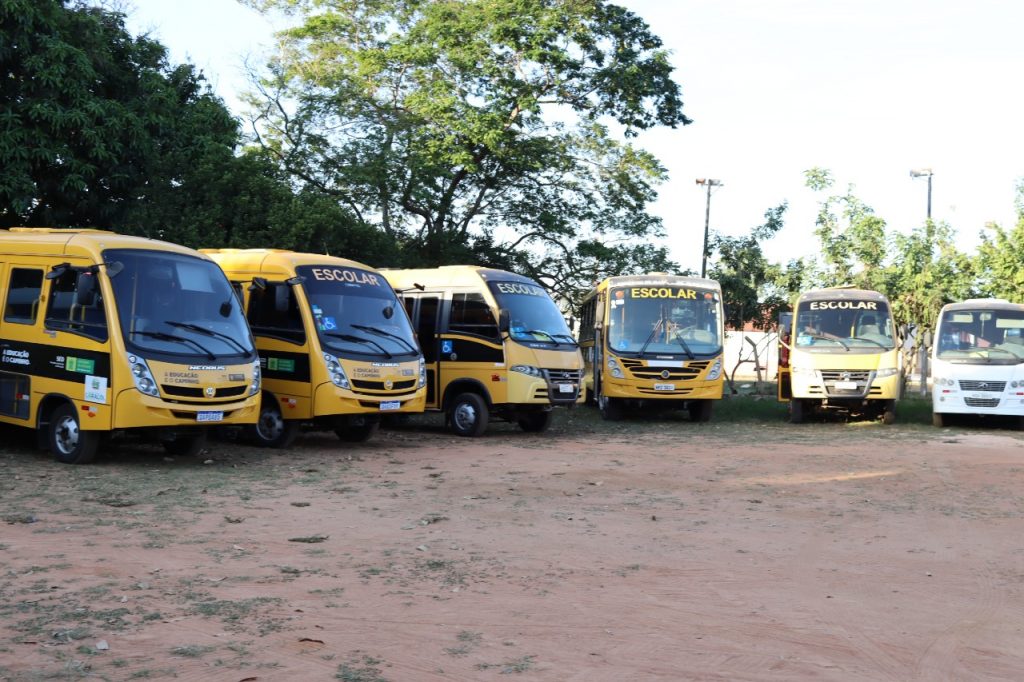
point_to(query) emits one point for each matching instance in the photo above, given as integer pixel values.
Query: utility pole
(709, 183)
(925, 173)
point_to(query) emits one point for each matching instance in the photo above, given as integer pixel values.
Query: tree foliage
(477, 130)
(1001, 257)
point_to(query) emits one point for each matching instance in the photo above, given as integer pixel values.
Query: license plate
(846, 385)
(664, 387)
(209, 416)
(983, 396)
(566, 388)
(390, 405)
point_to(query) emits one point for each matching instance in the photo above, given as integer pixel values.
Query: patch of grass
(468, 640)
(513, 667)
(192, 650)
(362, 669)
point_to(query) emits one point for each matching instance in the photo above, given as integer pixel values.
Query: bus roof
(983, 304)
(277, 261)
(80, 243)
(661, 278)
(451, 275)
(841, 294)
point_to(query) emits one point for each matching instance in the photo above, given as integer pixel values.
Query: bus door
(785, 343)
(274, 314)
(424, 312)
(22, 303)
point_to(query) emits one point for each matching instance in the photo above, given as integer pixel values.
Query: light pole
(925, 173)
(709, 183)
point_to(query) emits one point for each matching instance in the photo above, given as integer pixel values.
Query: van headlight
(423, 373)
(144, 381)
(716, 370)
(334, 368)
(257, 377)
(527, 369)
(613, 366)
(886, 372)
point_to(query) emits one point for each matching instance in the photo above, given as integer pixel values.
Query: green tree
(1000, 259)
(753, 289)
(474, 129)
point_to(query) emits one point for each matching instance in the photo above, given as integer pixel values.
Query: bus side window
(23, 293)
(64, 314)
(470, 314)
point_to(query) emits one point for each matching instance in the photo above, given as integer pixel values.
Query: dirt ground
(651, 550)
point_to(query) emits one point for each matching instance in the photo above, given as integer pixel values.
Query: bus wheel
(939, 420)
(272, 430)
(468, 415)
(535, 422)
(700, 410)
(889, 412)
(67, 442)
(357, 430)
(797, 411)
(611, 408)
(186, 445)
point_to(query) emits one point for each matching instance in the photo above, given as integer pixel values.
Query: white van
(978, 360)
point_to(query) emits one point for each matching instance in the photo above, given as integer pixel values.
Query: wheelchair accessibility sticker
(446, 346)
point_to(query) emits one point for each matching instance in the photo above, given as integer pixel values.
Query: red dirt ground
(667, 552)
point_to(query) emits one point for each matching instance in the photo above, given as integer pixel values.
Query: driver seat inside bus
(868, 326)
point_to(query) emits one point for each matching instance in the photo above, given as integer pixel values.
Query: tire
(186, 446)
(535, 422)
(938, 419)
(357, 429)
(272, 430)
(700, 410)
(611, 408)
(66, 441)
(468, 415)
(889, 412)
(797, 411)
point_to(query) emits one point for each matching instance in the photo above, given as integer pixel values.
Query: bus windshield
(357, 311)
(841, 326)
(177, 305)
(664, 319)
(983, 336)
(533, 316)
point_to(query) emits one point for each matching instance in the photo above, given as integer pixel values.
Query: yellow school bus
(839, 351)
(106, 334)
(653, 341)
(337, 349)
(495, 345)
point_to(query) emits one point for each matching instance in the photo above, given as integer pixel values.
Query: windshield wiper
(357, 339)
(208, 332)
(650, 337)
(162, 336)
(541, 331)
(864, 338)
(827, 338)
(684, 345)
(374, 330)
(566, 336)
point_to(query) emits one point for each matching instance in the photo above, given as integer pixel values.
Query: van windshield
(357, 311)
(982, 336)
(177, 305)
(533, 316)
(844, 325)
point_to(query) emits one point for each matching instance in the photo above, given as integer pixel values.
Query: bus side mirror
(85, 289)
(599, 312)
(388, 312)
(281, 298)
(504, 320)
(926, 338)
(572, 323)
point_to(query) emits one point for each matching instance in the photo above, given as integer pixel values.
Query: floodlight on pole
(709, 183)
(925, 173)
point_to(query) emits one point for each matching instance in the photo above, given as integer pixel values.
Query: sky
(869, 89)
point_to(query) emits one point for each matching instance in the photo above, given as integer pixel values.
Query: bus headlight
(616, 371)
(886, 372)
(334, 368)
(527, 369)
(257, 377)
(144, 381)
(716, 370)
(423, 373)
